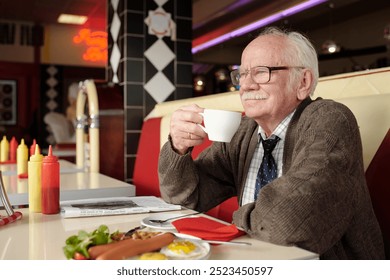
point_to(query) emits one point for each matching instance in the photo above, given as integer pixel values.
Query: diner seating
(377, 176)
(87, 148)
(61, 128)
(366, 93)
(145, 176)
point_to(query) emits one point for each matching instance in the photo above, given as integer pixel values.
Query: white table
(74, 184)
(38, 236)
(65, 167)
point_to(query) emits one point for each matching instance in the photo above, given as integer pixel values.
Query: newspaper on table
(114, 206)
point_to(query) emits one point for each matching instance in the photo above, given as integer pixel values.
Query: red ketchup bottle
(13, 146)
(32, 147)
(50, 184)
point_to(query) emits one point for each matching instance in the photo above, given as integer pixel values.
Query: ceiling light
(199, 83)
(255, 25)
(330, 46)
(72, 19)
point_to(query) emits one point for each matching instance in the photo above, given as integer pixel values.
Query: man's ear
(305, 84)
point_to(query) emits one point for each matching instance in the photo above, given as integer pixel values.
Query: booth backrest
(353, 89)
(145, 176)
(372, 113)
(378, 181)
(366, 93)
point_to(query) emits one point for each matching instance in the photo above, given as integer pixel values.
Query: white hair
(73, 91)
(298, 52)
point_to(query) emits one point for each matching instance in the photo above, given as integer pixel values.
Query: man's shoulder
(327, 106)
(327, 112)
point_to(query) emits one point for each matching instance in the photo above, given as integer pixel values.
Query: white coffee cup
(220, 125)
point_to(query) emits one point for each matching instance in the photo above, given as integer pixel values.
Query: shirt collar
(279, 131)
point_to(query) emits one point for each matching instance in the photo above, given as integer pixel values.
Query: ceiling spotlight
(199, 83)
(330, 46)
(221, 75)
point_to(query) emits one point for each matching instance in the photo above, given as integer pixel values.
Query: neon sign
(96, 43)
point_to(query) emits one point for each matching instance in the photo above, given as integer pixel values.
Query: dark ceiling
(322, 16)
(208, 16)
(47, 11)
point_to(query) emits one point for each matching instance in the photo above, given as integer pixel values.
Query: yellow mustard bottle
(34, 181)
(21, 158)
(4, 147)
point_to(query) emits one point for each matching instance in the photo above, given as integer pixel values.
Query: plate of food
(142, 244)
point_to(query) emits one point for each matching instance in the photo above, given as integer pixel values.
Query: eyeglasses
(259, 74)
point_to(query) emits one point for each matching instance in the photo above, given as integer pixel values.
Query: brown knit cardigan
(320, 203)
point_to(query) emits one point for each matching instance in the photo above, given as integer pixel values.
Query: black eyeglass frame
(235, 73)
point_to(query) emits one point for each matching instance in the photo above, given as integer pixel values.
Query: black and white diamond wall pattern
(51, 93)
(159, 86)
(160, 24)
(114, 30)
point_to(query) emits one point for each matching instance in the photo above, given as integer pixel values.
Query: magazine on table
(114, 206)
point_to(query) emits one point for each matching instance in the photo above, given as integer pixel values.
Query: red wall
(27, 77)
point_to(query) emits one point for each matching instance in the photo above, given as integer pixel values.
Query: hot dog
(128, 248)
(97, 250)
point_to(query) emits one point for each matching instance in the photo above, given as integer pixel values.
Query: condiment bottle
(4, 149)
(34, 181)
(21, 158)
(13, 146)
(32, 147)
(50, 184)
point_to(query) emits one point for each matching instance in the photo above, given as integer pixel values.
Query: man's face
(268, 104)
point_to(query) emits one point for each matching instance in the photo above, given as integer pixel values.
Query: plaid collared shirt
(277, 153)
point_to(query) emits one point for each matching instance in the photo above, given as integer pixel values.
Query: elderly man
(311, 193)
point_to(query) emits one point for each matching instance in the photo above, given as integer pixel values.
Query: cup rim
(222, 110)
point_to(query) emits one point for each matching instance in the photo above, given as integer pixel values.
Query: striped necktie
(268, 170)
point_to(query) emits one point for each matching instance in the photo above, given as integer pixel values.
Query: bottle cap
(32, 147)
(22, 145)
(13, 140)
(37, 156)
(50, 157)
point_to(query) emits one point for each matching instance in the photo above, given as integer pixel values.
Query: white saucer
(166, 226)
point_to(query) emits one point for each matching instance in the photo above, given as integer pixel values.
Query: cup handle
(201, 126)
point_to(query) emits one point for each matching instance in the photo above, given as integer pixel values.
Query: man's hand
(184, 129)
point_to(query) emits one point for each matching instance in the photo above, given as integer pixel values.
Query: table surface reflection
(74, 184)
